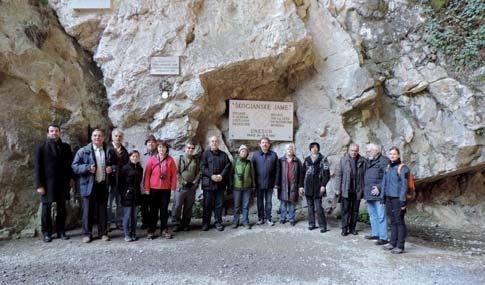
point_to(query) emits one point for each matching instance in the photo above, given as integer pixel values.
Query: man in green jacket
(242, 182)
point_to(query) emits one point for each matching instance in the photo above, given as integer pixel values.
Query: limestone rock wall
(44, 77)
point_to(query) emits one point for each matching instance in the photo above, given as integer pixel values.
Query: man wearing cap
(242, 184)
(215, 168)
(187, 182)
(265, 164)
(151, 145)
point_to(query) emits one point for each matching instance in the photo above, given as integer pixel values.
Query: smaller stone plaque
(91, 4)
(165, 65)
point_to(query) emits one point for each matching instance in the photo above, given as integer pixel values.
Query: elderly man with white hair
(376, 167)
(216, 169)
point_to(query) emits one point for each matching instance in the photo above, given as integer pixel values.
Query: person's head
(162, 147)
(134, 156)
(314, 148)
(190, 148)
(353, 150)
(243, 151)
(264, 143)
(151, 143)
(373, 150)
(214, 143)
(117, 136)
(53, 131)
(290, 149)
(394, 154)
(97, 137)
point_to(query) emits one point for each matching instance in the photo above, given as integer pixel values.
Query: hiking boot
(166, 235)
(371, 237)
(397, 250)
(381, 242)
(47, 238)
(324, 230)
(344, 233)
(388, 247)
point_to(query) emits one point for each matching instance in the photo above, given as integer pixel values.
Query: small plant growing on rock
(37, 35)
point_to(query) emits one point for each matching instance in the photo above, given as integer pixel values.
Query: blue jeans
(378, 219)
(264, 201)
(129, 221)
(241, 196)
(114, 195)
(287, 211)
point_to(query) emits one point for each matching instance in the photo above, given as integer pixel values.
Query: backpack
(411, 193)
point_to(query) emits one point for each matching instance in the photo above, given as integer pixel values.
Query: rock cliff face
(356, 70)
(44, 77)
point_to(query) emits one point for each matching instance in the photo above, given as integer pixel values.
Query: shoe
(186, 228)
(47, 238)
(105, 238)
(133, 238)
(260, 222)
(397, 250)
(128, 239)
(166, 235)
(371, 237)
(246, 226)
(292, 223)
(150, 236)
(282, 222)
(86, 239)
(176, 229)
(324, 230)
(205, 228)
(234, 226)
(388, 247)
(269, 223)
(354, 232)
(63, 236)
(344, 233)
(311, 228)
(220, 227)
(381, 242)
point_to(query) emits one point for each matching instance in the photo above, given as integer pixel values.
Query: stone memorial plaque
(165, 65)
(91, 4)
(251, 120)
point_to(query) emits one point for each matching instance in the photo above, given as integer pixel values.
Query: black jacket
(121, 161)
(265, 167)
(129, 187)
(315, 175)
(53, 171)
(374, 174)
(215, 163)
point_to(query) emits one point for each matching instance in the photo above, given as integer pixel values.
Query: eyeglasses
(190, 147)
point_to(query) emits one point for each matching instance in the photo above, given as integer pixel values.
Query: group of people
(109, 173)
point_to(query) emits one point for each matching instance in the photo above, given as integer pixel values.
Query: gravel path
(262, 255)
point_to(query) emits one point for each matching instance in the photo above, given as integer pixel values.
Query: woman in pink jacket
(160, 181)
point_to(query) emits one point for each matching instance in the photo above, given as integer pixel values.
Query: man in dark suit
(94, 163)
(53, 178)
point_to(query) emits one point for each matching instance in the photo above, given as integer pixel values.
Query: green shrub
(455, 29)
(364, 216)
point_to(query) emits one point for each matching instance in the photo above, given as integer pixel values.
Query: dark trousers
(350, 212)
(159, 200)
(398, 227)
(46, 217)
(264, 200)
(213, 199)
(183, 201)
(145, 209)
(312, 204)
(96, 205)
(114, 197)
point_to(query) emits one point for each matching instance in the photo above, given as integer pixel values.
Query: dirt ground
(262, 255)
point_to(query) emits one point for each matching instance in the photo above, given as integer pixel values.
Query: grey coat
(343, 179)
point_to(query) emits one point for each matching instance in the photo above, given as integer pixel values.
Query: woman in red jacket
(160, 181)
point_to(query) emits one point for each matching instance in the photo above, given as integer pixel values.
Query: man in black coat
(315, 176)
(350, 184)
(53, 178)
(215, 168)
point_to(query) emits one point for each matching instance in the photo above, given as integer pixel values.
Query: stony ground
(262, 255)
